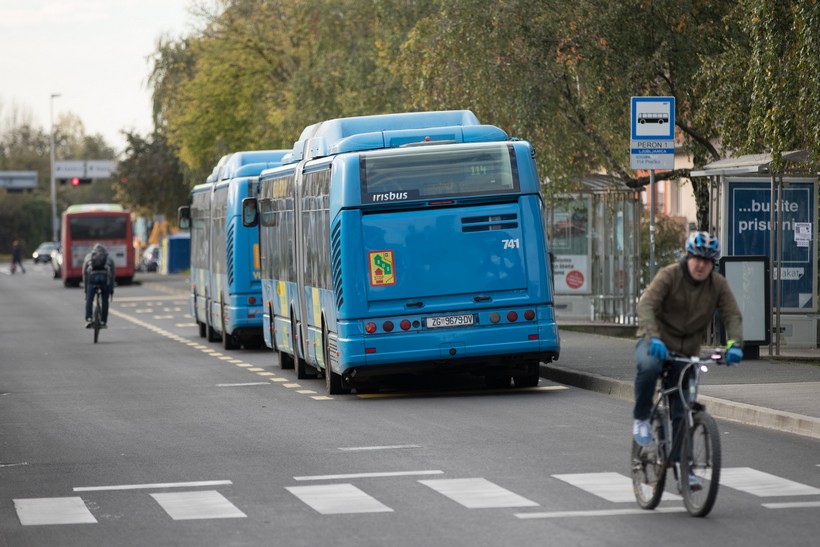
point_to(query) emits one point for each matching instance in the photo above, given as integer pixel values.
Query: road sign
(652, 142)
(18, 180)
(95, 169)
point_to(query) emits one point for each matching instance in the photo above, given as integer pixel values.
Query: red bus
(105, 223)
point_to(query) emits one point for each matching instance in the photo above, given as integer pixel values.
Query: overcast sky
(91, 52)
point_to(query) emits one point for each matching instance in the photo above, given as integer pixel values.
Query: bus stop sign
(652, 134)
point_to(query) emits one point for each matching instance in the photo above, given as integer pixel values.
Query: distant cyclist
(98, 270)
(674, 314)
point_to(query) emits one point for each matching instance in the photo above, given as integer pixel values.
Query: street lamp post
(54, 221)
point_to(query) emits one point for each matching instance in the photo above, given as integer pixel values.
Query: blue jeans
(646, 379)
(89, 301)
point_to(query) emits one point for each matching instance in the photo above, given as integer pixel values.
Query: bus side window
(184, 217)
(249, 213)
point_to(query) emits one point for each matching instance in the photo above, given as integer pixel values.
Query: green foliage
(24, 217)
(150, 179)
(670, 240)
(762, 90)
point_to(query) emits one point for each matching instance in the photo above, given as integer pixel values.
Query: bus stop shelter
(772, 249)
(595, 244)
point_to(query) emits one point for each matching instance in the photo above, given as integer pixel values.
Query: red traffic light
(76, 181)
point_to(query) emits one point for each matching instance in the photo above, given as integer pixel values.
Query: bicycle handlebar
(716, 357)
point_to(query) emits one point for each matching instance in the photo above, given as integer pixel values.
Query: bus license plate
(449, 321)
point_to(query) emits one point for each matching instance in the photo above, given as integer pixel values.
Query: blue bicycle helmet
(703, 245)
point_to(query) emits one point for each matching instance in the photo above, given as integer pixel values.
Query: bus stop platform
(781, 393)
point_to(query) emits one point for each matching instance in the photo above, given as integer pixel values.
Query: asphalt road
(156, 437)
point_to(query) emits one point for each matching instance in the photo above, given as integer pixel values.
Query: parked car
(43, 252)
(57, 262)
(149, 262)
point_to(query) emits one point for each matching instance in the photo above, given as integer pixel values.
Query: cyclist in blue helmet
(674, 314)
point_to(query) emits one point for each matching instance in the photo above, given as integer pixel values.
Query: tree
(260, 71)
(150, 178)
(560, 74)
(762, 89)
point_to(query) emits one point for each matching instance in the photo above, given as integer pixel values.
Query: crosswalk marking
(207, 504)
(338, 499)
(368, 475)
(151, 486)
(612, 487)
(472, 493)
(39, 511)
(477, 493)
(792, 505)
(763, 484)
(598, 513)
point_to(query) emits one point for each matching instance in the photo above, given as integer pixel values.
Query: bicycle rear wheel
(700, 456)
(648, 473)
(97, 316)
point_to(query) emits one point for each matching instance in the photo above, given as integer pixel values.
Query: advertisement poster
(750, 230)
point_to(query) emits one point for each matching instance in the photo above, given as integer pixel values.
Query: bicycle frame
(690, 373)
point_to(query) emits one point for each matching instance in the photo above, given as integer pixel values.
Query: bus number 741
(511, 243)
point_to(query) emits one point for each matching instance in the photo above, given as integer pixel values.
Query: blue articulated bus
(404, 243)
(226, 295)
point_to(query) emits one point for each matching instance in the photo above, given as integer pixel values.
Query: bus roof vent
(240, 159)
(335, 136)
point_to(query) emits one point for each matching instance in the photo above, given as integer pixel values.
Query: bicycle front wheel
(700, 458)
(648, 473)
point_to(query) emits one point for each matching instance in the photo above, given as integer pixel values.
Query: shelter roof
(750, 164)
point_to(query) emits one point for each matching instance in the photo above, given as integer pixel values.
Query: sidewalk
(780, 393)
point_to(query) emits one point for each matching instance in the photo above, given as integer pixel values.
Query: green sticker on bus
(381, 268)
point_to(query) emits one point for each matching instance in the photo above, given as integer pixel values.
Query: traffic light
(76, 181)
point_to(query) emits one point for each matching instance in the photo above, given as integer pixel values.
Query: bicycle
(96, 318)
(697, 440)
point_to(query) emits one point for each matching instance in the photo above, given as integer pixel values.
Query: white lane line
(245, 384)
(338, 499)
(763, 484)
(792, 505)
(599, 513)
(478, 493)
(151, 486)
(368, 475)
(385, 447)
(612, 487)
(39, 511)
(207, 504)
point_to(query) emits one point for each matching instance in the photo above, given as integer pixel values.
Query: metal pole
(779, 281)
(651, 224)
(54, 222)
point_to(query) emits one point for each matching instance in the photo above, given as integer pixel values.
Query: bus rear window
(98, 227)
(437, 172)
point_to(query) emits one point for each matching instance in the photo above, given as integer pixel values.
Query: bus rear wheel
(334, 383)
(530, 377)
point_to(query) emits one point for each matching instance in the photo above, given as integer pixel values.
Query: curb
(742, 413)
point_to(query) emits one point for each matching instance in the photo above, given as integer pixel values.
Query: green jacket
(679, 310)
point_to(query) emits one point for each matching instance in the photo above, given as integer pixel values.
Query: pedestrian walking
(17, 256)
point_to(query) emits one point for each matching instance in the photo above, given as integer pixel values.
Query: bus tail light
(512, 316)
(370, 328)
(405, 324)
(251, 300)
(387, 326)
(529, 315)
